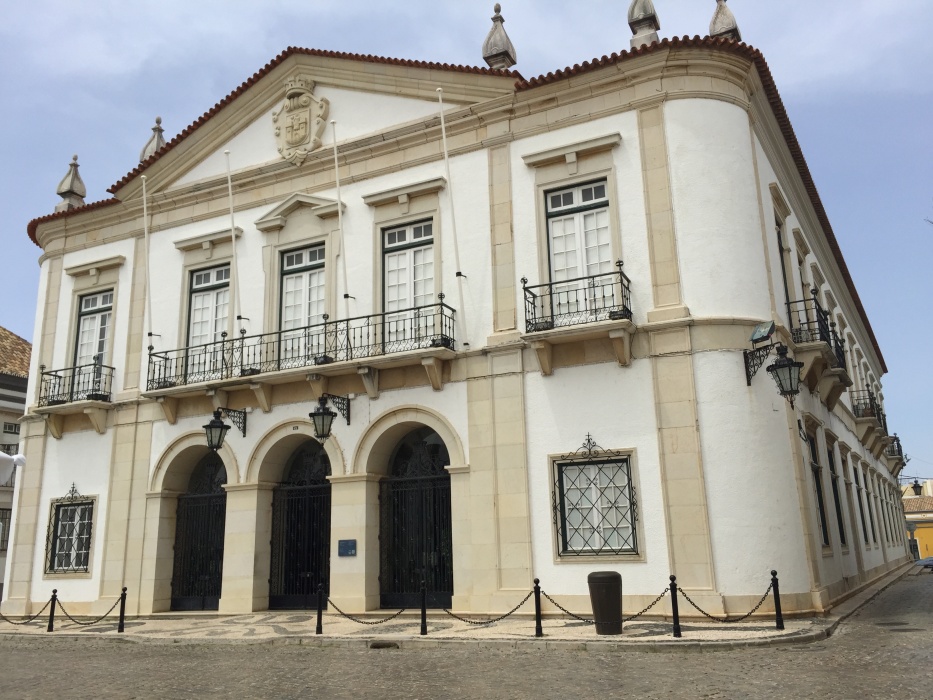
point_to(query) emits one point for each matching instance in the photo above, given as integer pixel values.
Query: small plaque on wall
(346, 548)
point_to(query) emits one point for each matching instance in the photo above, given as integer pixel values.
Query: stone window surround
(408, 204)
(814, 430)
(639, 557)
(85, 285)
(568, 166)
(47, 572)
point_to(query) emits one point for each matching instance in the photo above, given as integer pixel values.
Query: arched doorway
(300, 558)
(199, 537)
(415, 524)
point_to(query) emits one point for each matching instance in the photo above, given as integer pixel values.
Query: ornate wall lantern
(216, 430)
(323, 418)
(786, 374)
(917, 487)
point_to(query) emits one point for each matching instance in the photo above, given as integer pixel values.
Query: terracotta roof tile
(14, 354)
(33, 225)
(918, 504)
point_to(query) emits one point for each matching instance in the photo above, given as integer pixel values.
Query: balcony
(329, 347)
(871, 422)
(85, 383)
(597, 306)
(85, 389)
(820, 348)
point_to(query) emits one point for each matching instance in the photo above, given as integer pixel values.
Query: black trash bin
(606, 599)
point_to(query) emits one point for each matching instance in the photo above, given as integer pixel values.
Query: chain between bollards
(424, 609)
(54, 602)
(674, 611)
(538, 631)
(320, 609)
(778, 615)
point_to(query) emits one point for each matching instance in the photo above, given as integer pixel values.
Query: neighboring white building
(14, 364)
(552, 414)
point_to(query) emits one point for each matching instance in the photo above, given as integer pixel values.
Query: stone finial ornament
(300, 123)
(644, 23)
(724, 24)
(155, 142)
(71, 189)
(498, 50)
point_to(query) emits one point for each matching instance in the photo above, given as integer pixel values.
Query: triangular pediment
(365, 95)
(276, 219)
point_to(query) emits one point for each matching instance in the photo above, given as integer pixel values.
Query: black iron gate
(199, 538)
(415, 528)
(301, 531)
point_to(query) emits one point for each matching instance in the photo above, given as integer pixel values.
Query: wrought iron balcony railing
(11, 482)
(417, 328)
(85, 383)
(810, 323)
(573, 302)
(9, 448)
(864, 404)
(895, 449)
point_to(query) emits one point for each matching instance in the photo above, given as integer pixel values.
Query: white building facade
(521, 405)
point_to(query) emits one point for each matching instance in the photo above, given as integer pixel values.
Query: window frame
(212, 286)
(593, 455)
(11, 428)
(75, 500)
(816, 468)
(319, 264)
(6, 519)
(384, 250)
(82, 314)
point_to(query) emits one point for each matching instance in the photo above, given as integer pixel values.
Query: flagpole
(343, 257)
(235, 282)
(149, 335)
(461, 315)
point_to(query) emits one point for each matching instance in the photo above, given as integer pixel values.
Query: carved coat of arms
(301, 121)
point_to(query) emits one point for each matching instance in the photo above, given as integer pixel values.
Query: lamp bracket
(754, 359)
(238, 418)
(341, 403)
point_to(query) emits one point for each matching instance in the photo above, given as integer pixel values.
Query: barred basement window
(594, 502)
(69, 537)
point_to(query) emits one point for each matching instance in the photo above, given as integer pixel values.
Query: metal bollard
(538, 631)
(320, 609)
(674, 610)
(778, 615)
(51, 627)
(122, 610)
(424, 609)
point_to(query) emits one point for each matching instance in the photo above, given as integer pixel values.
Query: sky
(856, 77)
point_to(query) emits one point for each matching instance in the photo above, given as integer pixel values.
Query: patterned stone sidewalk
(404, 629)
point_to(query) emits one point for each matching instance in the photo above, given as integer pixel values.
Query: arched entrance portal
(300, 558)
(415, 524)
(199, 537)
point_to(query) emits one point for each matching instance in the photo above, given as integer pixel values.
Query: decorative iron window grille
(6, 515)
(69, 536)
(594, 504)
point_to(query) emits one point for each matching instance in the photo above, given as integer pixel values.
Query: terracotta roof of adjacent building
(918, 504)
(14, 354)
(749, 52)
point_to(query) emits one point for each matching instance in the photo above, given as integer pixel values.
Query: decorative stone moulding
(498, 50)
(300, 123)
(723, 24)
(644, 23)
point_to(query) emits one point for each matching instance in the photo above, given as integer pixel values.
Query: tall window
(834, 476)
(818, 486)
(858, 496)
(210, 305)
(408, 271)
(69, 542)
(595, 506)
(871, 512)
(6, 515)
(11, 428)
(208, 311)
(303, 302)
(95, 312)
(578, 231)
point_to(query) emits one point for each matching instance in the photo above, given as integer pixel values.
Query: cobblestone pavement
(885, 650)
